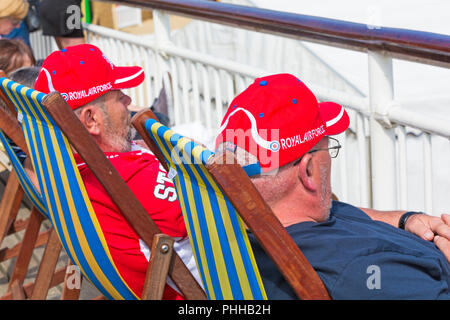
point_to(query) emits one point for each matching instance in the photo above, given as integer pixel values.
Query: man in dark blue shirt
(281, 136)
(359, 258)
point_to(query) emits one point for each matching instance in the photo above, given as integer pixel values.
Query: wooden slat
(71, 293)
(47, 267)
(28, 288)
(18, 225)
(8, 253)
(138, 122)
(10, 203)
(155, 280)
(27, 246)
(17, 291)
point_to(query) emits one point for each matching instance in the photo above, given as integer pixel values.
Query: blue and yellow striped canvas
(63, 193)
(25, 181)
(217, 234)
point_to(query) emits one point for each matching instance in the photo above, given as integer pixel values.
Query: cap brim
(127, 77)
(335, 117)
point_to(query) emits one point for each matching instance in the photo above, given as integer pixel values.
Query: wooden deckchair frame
(163, 260)
(257, 215)
(127, 203)
(47, 276)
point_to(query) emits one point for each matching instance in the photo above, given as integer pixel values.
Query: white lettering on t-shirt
(162, 191)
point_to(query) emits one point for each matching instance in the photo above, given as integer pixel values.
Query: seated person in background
(282, 138)
(91, 84)
(15, 54)
(29, 24)
(20, 33)
(25, 76)
(12, 12)
(58, 20)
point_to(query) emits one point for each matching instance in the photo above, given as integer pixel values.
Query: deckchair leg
(27, 246)
(158, 268)
(72, 282)
(11, 199)
(17, 290)
(47, 267)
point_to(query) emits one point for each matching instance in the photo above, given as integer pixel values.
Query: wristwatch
(405, 217)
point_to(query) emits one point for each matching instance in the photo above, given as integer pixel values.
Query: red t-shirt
(148, 180)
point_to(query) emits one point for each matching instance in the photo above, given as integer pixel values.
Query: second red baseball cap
(278, 119)
(83, 73)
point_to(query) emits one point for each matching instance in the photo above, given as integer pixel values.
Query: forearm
(427, 227)
(389, 217)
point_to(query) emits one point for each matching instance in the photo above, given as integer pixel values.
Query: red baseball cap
(83, 73)
(278, 119)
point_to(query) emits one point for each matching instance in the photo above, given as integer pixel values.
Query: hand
(432, 228)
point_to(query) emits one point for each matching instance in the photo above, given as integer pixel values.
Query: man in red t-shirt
(91, 84)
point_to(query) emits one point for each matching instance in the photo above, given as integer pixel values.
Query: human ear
(306, 172)
(91, 119)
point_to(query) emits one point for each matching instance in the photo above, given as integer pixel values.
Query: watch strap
(405, 217)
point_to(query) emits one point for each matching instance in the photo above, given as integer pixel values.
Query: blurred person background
(12, 13)
(15, 54)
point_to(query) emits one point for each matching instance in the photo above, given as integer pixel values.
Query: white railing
(379, 154)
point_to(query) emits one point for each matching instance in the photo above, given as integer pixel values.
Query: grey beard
(120, 143)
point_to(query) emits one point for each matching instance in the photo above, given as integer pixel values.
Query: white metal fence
(382, 165)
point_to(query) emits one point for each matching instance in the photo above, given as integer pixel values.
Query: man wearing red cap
(281, 136)
(91, 84)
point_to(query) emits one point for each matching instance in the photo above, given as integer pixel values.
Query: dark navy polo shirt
(359, 258)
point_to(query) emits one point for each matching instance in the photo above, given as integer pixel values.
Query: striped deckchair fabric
(63, 193)
(25, 181)
(217, 234)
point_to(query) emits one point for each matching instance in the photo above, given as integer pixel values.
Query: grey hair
(99, 102)
(26, 76)
(245, 158)
(271, 185)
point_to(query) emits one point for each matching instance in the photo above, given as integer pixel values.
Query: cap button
(294, 101)
(263, 83)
